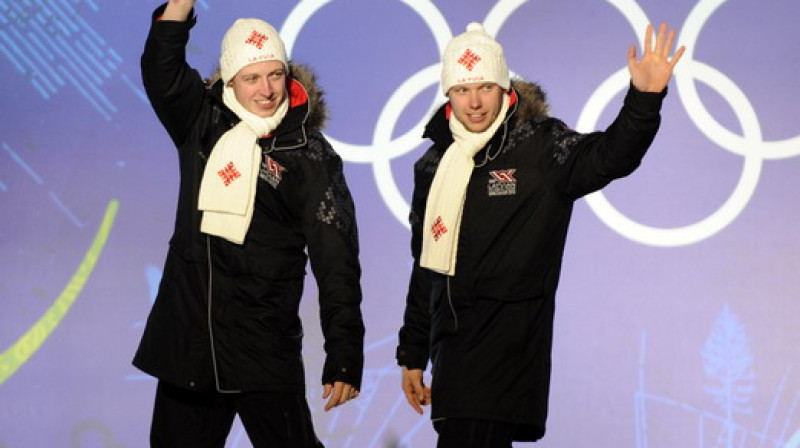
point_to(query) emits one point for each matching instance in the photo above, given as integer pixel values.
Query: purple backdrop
(677, 312)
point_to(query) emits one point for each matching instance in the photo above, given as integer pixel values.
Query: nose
(266, 88)
(474, 99)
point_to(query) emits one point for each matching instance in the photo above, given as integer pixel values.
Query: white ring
(717, 133)
(295, 21)
(381, 167)
(681, 235)
(751, 146)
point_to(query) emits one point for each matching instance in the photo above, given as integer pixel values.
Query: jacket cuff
(645, 103)
(412, 357)
(335, 371)
(159, 12)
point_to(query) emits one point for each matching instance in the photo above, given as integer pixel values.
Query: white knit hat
(474, 56)
(249, 41)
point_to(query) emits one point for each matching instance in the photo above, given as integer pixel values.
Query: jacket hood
(532, 101)
(530, 105)
(317, 109)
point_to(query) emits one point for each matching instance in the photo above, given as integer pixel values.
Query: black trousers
(469, 433)
(203, 419)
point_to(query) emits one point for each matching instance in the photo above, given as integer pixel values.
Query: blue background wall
(677, 313)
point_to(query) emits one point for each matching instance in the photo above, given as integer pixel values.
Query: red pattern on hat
(256, 39)
(469, 59)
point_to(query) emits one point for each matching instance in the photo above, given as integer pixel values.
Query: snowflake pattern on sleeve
(429, 162)
(565, 140)
(336, 208)
(519, 134)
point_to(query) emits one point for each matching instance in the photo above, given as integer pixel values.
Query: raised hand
(652, 72)
(178, 10)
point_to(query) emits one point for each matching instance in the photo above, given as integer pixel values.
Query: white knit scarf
(228, 187)
(447, 194)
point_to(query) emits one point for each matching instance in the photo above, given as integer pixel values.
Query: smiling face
(477, 105)
(261, 87)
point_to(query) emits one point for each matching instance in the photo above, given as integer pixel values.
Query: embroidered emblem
(438, 229)
(502, 183)
(257, 39)
(229, 173)
(271, 171)
(469, 59)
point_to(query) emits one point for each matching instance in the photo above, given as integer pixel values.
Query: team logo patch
(438, 228)
(502, 183)
(271, 171)
(229, 174)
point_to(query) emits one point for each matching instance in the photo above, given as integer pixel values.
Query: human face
(261, 87)
(476, 105)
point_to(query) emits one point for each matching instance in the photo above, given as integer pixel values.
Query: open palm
(652, 72)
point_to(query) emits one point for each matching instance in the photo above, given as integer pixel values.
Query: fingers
(326, 392)
(631, 55)
(659, 50)
(338, 394)
(653, 70)
(670, 41)
(677, 56)
(663, 48)
(415, 391)
(412, 397)
(178, 10)
(648, 39)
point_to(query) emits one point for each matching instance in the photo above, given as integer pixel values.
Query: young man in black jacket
(259, 187)
(491, 206)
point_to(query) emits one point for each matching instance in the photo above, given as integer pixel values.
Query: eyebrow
(277, 70)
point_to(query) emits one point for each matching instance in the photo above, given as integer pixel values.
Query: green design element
(22, 350)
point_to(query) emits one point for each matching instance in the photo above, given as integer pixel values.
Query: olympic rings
(676, 236)
(717, 133)
(408, 141)
(383, 148)
(750, 145)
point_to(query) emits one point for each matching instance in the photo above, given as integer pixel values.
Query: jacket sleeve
(585, 163)
(413, 350)
(174, 89)
(332, 238)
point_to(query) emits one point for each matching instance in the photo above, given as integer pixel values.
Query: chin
(477, 129)
(263, 114)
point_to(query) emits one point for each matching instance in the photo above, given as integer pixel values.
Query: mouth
(476, 117)
(265, 104)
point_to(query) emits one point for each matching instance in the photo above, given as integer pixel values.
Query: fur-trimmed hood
(318, 111)
(532, 104)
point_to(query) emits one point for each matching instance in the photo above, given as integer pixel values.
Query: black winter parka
(226, 315)
(488, 329)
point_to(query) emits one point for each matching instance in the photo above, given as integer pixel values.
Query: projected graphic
(677, 312)
(53, 46)
(728, 363)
